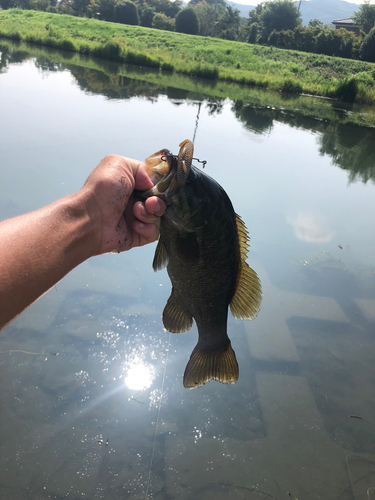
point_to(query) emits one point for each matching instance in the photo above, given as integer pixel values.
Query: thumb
(142, 180)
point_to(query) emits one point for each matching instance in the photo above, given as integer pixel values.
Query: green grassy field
(215, 59)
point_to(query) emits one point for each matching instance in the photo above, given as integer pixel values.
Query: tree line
(276, 23)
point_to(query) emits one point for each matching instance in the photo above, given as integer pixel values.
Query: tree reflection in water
(351, 147)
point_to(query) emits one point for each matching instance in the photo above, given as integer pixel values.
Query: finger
(147, 232)
(142, 180)
(140, 212)
(155, 206)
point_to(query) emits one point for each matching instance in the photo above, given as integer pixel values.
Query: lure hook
(164, 158)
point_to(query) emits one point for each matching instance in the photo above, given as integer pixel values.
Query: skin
(39, 248)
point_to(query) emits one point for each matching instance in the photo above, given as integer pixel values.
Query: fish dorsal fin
(217, 364)
(161, 257)
(175, 318)
(247, 298)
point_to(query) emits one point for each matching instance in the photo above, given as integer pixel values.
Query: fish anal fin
(247, 299)
(161, 257)
(175, 318)
(203, 366)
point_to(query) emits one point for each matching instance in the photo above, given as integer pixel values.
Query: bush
(145, 14)
(167, 66)
(253, 33)
(110, 50)
(126, 13)
(273, 38)
(139, 59)
(305, 38)
(286, 39)
(367, 51)
(324, 43)
(291, 86)
(205, 71)
(163, 22)
(187, 21)
(347, 89)
(66, 45)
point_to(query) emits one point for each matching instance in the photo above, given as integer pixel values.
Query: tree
(315, 23)
(166, 7)
(253, 33)
(41, 5)
(126, 12)
(145, 14)
(66, 7)
(254, 14)
(220, 3)
(205, 12)
(280, 15)
(187, 21)
(15, 4)
(367, 51)
(102, 9)
(273, 38)
(163, 22)
(228, 24)
(365, 16)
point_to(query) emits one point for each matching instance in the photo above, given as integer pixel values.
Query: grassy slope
(198, 56)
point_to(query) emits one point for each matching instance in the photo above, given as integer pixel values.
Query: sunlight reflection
(139, 376)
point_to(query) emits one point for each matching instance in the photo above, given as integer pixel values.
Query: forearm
(38, 249)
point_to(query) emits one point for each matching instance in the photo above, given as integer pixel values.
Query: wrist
(82, 227)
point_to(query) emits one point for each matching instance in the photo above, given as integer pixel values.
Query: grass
(112, 77)
(288, 71)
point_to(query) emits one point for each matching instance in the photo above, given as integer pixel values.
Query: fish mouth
(169, 172)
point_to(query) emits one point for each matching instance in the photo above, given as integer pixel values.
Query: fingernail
(141, 225)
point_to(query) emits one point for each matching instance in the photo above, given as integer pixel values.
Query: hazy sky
(255, 2)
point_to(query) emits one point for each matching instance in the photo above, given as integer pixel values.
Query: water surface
(99, 410)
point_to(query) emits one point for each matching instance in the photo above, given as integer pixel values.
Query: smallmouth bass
(204, 245)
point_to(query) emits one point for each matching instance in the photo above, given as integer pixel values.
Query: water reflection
(310, 227)
(350, 147)
(71, 425)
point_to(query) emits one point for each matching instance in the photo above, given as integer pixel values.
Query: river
(92, 401)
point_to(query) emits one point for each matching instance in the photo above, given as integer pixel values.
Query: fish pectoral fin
(161, 257)
(203, 366)
(175, 318)
(247, 299)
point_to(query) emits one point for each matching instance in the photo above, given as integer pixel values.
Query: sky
(256, 2)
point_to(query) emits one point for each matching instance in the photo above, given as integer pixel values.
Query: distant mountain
(244, 9)
(324, 10)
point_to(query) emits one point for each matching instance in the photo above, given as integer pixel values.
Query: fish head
(158, 165)
(169, 172)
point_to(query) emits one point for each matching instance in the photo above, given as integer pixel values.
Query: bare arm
(40, 248)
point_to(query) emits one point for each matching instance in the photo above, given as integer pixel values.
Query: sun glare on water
(139, 377)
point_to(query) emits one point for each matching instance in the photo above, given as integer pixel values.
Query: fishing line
(197, 120)
(157, 419)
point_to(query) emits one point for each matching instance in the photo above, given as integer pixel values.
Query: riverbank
(114, 77)
(213, 59)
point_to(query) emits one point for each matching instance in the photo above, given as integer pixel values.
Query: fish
(204, 245)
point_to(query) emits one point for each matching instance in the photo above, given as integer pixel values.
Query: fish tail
(203, 366)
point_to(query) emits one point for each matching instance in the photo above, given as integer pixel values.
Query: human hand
(120, 220)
